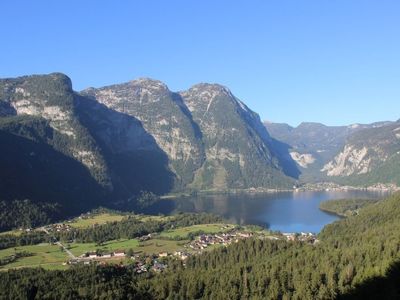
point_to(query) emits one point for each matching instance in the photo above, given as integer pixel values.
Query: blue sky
(335, 62)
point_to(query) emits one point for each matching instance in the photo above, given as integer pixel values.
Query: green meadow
(95, 219)
(43, 255)
(183, 232)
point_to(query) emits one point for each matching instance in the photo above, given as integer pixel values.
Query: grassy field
(155, 246)
(145, 218)
(95, 219)
(44, 255)
(80, 248)
(206, 228)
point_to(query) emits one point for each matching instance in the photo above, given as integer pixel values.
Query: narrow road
(66, 250)
(70, 254)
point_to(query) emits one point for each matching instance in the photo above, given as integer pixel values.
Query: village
(158, 262)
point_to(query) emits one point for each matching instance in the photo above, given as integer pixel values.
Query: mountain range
(358, 154)
(104, 146)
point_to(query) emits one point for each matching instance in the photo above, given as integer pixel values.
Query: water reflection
(286, 212)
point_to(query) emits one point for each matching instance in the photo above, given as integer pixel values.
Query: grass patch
(95, 219)
(43, 255)
(155, 246)
(80, 248)
(183, 232)
(146, 218)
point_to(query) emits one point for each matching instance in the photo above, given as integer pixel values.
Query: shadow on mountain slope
(281, 150)
(382, 287)
(34, 170)
(132, 155)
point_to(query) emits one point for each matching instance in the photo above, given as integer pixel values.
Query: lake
(283, 211)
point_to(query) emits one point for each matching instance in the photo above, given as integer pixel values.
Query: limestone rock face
(302, 159)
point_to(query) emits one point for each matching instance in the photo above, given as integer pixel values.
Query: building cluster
(307, 237)
(93, 255)
(155, 265)
(145, 237)
(205, 240)
(60, 227)
(148, 263)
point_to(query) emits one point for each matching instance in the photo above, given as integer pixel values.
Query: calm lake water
(283, 211)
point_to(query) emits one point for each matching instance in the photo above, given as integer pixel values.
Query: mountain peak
(213, 88)
(149, 82)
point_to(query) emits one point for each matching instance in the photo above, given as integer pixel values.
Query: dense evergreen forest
(26, 214)
(357, 257)
(345, 207)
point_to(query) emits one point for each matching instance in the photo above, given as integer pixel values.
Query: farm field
(183, 232)
(95, 219)
(43, 255)
(155, 246)
(80, 248)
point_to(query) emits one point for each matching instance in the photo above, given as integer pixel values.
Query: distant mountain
(369, 156)
(313, 145)
(104, 146)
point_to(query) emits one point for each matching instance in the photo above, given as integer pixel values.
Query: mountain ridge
(130, 137)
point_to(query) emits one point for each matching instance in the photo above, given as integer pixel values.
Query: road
(70, 254)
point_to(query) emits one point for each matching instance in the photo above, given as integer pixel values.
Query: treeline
(351, 252)
(26, 214)
(12, 258)
(26, 238)
(345, 207)
(133, 227)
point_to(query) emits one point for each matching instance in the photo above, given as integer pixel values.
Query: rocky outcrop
(303, 160)
(350, 161)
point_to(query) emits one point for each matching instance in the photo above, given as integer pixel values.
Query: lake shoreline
(310, 187)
